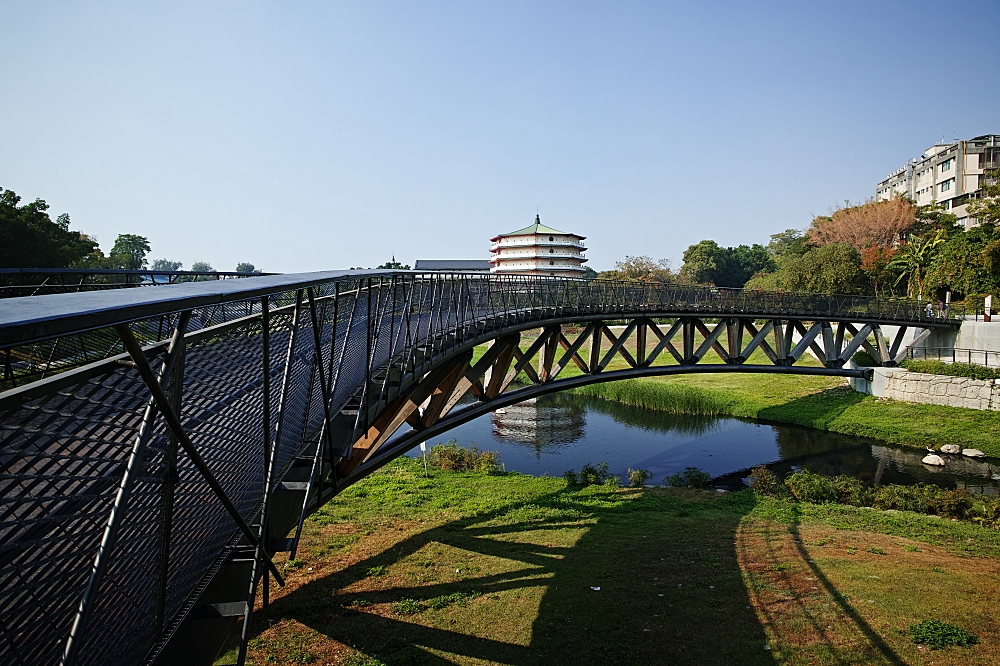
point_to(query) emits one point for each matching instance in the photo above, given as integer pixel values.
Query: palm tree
(913, 259)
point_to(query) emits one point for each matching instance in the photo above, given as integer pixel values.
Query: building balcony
(529, 242)
(537, 256)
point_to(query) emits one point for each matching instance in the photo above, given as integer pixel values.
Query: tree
(967, 263)
(589, 273)
(831, 269)
(639, 269)
(913, 259)
(880, 223)
(875, 264)
(129, 252)
(30, 239)
(743, 262)
(202, 267)
(166, 265)
(394, 265)
(708, 263)
(933, 217)
(789, 243)
(247, 267)
(704, 262)
(987, 208)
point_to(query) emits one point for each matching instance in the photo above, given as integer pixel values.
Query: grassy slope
(825, 403)
(685, 577)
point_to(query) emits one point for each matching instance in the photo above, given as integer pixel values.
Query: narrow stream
(564, 431)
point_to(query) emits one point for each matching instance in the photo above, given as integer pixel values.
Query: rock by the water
(951, 448)
(973, 453)
(933, 459)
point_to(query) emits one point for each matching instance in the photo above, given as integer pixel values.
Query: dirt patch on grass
(829, 596)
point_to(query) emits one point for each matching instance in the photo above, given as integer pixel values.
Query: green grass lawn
(472, 569)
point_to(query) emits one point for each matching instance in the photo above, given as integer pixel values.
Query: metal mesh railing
(983, 357)
(15, 282)
(74, 402)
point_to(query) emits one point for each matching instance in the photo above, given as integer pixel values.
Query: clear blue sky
(306, 136)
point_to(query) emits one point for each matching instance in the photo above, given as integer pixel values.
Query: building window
(551, 251)
(946, 165)
(946, 185)
(552, 263)
(551, 238)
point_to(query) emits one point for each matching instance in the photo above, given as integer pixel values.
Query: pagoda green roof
(536, 228)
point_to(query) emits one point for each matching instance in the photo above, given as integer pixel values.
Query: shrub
(372, 572)
(294, 564)
(451, 456)
(691, 477)
(765, 482)
(936, 634)
(809, 487)
(951, 369)
(863, 359)
(591, 475)
(638, 477)
(594, 474)
(851, 491)
(901, 498)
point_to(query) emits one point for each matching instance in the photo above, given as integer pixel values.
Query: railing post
(89, 599)
(177, 347)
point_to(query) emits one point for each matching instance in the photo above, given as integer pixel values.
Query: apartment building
(950, 173)
(538, 250)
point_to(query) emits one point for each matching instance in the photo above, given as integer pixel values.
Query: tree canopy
(129, 252)
(707, 262)
(30, 239)
(638, 269)
(879, 223)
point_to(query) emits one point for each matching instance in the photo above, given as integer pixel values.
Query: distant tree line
(885, 248)
(30, 239)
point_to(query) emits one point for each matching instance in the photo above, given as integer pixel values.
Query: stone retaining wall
(924, 388)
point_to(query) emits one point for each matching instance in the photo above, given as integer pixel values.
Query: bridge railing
(265, 360)
(15, 282)
(457, 300)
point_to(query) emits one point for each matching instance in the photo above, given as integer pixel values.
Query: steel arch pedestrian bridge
(158, 445)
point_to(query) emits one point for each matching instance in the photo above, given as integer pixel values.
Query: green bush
(451, 456)
(863, 359)
(951, 369)
(851, 491)
(591, 475)
(765, 482)
(901, 498)
(813, 488)
(638, 477)
(691, 477)
(936, 634)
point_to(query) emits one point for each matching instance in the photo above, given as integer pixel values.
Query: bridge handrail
(17, 282)
(34, 318)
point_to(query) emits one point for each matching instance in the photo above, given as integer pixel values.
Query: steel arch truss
(155, 455)
(643, 347)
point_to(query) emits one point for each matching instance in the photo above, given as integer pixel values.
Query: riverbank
(823, 403)
(466, 568)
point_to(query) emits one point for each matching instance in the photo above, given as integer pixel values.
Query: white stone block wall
(924, 388)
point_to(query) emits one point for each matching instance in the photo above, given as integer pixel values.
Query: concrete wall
(920, 387)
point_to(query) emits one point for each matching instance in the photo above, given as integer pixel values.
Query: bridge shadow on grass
(816, 410)
(667, 564)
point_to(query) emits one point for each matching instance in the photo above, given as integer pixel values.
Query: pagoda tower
(538, 250)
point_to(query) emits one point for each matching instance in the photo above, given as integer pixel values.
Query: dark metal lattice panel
(73, 403)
